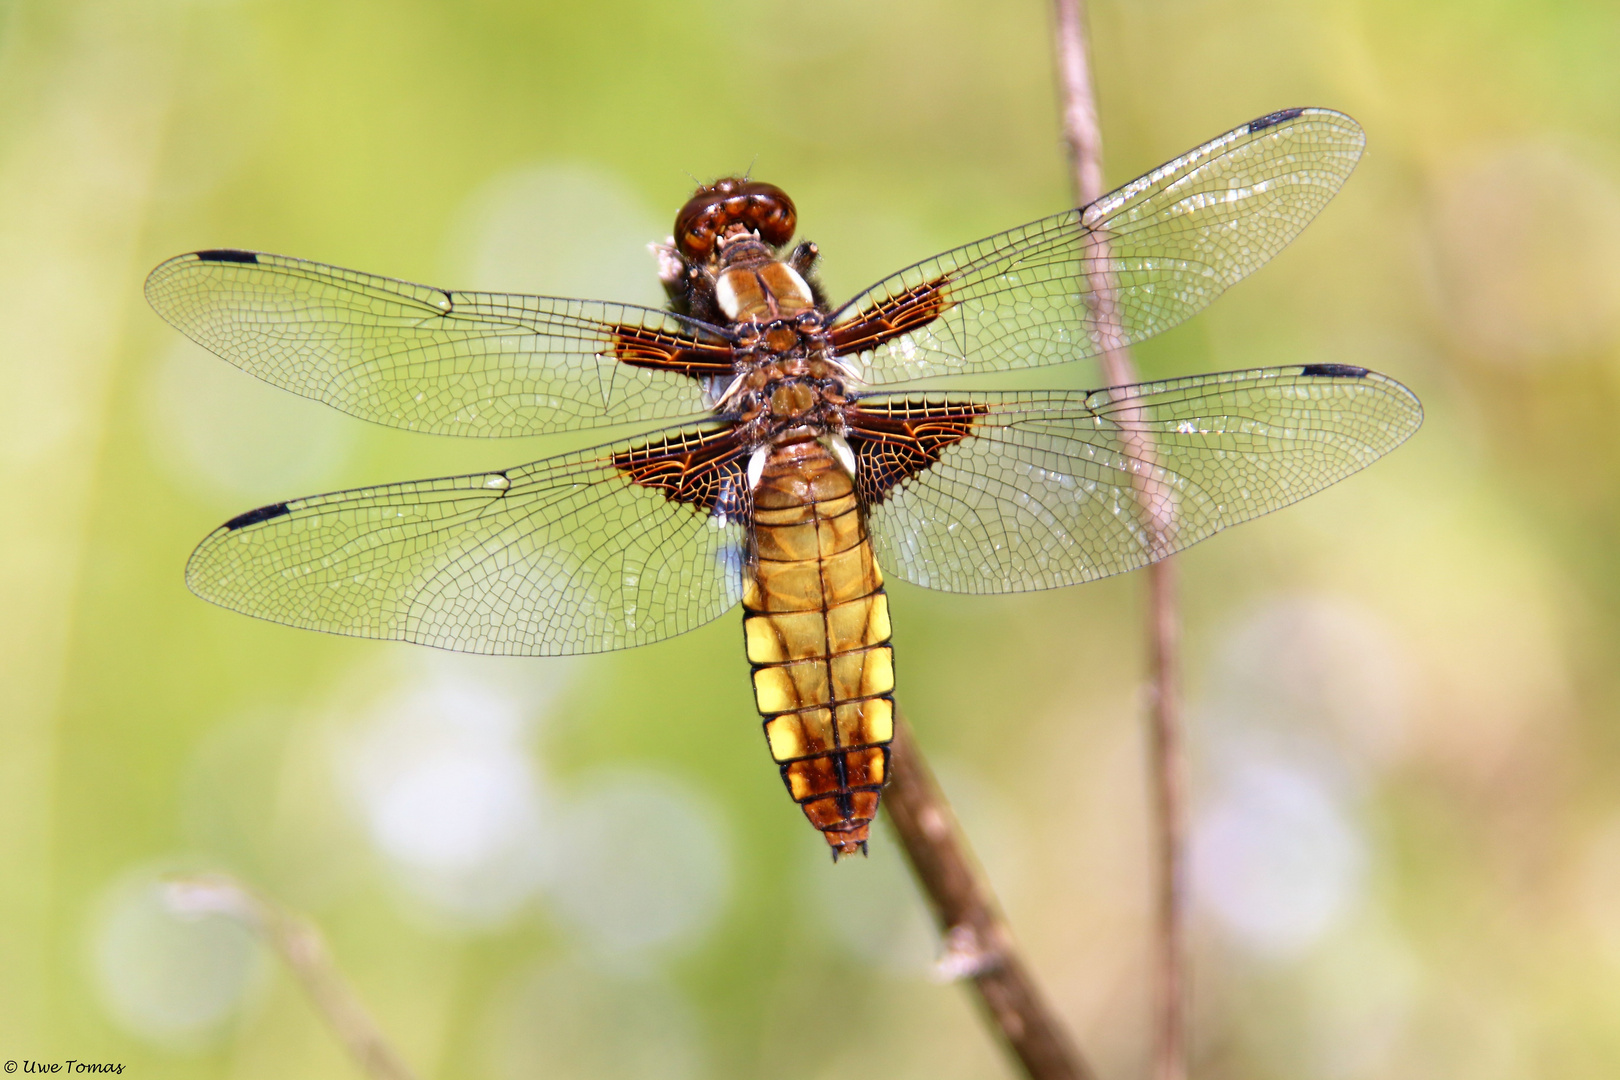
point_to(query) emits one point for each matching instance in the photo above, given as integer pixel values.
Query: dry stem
(1167, 769)
(300, 946)
(978, 944)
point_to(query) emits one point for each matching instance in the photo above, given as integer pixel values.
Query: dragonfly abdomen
(816, 626)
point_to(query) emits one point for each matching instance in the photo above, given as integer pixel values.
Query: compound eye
(694, 228)
(770, 212)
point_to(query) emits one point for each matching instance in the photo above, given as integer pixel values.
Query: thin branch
(978, 944)
(1168, 772)
(1167, 767)
(301, 947)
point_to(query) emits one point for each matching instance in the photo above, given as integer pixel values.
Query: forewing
(616, 546)
(1162, 248)
(456, 363)
(1022, 491)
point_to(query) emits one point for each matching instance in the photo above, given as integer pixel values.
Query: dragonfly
(793, 454)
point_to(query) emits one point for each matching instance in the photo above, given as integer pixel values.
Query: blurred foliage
(1403, 691)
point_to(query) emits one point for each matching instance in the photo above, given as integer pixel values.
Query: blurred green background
(1402, 694)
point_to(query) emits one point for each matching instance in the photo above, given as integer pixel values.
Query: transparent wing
(566, 555)
(1036, 490)
(1163, 246)
(457, 363)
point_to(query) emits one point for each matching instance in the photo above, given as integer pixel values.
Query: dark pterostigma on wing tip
(1333, 371)
(227, 255)
(253, 517)
(1273, 119)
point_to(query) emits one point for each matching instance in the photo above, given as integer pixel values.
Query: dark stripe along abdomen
(816, 625)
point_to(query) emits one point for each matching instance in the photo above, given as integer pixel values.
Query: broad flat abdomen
(816, 624)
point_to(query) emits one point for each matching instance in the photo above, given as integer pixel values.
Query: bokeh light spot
(562, 229)
(642, 861)
(1311, 669)
(173, 980)
(1275, 859)
(442, 776)
(217, 428)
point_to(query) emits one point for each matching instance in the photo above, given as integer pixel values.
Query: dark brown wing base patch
(891, 318)
(706, 471)
(642, 347)
(899, 439)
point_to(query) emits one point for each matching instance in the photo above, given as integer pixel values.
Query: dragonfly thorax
(787, 376)
(785, 394)
(794, 399)
(762, 291)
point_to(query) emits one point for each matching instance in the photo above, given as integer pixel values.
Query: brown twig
(978, 944)
(300, 946)
(1167, 768)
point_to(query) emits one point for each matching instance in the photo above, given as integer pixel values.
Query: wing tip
(158, 280)
(1349, 133)
(1392, 387)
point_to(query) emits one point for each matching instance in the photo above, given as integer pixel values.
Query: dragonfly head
(733, 205)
